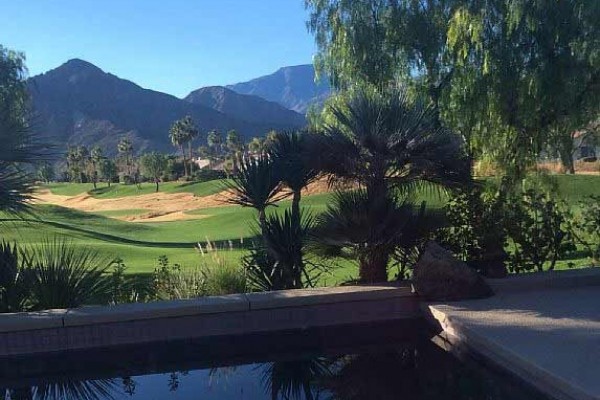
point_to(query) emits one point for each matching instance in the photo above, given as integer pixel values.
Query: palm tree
(370, 229)
(96, 157)
(183, 132)
(125, 148)
(291, 152)
(386, 145)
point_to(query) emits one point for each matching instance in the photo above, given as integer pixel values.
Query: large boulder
(439, 276)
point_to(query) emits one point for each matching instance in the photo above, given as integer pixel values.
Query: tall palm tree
(96, 157)
(386, 145)
(183, 132)
(125, 148)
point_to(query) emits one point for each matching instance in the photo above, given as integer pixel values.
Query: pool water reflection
(421, 371)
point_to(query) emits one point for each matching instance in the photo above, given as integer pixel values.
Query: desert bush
(538, 228)
(586, 227)
(476, 227)
(214, 276)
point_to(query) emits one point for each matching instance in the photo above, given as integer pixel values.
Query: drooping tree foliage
(511, 76)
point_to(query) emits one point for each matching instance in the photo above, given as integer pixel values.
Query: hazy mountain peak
(293, 87)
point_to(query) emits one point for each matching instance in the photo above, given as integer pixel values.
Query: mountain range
(77, 103)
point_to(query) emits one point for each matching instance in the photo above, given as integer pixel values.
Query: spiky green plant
(65, 276)
(13, 288)
(369, 228)
(255, 184)
(278, 262)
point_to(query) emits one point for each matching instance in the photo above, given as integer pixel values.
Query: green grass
(140, 244)
(116, 190)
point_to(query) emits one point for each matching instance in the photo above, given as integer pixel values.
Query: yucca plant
(291, 153)
(65, 276)
(13, 288)
(255, 184)
(278, 263)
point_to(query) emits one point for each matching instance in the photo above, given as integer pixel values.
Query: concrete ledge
(158, 309)
(341, 294)
(205, 318)
(546, 280)
(32, 320)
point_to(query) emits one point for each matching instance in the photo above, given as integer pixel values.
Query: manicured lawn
(140, 244)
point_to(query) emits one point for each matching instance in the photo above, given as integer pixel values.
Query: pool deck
(545, 329)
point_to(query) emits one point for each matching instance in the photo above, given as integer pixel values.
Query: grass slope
(140, 244)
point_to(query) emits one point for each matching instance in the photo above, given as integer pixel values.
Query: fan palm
(387, 146)
(382, 140)
(369, 229)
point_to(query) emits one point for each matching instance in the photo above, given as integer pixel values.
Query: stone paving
(549, 337)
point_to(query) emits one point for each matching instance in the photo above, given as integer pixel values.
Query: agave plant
(65, 276)
(361, 226)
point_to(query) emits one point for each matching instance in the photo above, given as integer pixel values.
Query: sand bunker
(162, 207)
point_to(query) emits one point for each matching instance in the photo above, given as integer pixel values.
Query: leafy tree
(153, 166)
(19, 147)
(108, 170)
(510, 76)
(46, 172)
(531, 67)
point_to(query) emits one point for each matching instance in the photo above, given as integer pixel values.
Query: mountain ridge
(79, 103)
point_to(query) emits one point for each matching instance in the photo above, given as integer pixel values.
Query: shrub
(537, 227)
(476, 232)
(221, 277)
(586, 227)
(205, 175)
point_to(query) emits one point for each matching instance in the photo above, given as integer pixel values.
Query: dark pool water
(408, 371)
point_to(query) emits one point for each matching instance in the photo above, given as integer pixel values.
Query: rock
(439, 276)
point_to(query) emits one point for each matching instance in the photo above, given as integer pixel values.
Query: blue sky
(173, 46)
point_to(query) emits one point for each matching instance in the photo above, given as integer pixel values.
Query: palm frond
(256, 184)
